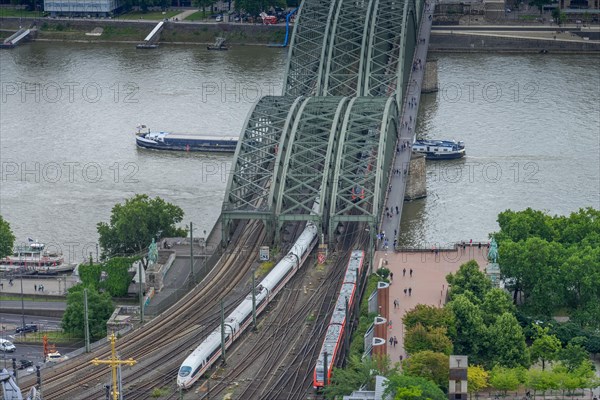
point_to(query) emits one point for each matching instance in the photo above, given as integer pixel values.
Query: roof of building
(376, 394)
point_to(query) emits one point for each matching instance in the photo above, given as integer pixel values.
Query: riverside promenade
(427, 284)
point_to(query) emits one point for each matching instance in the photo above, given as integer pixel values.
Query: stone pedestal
(416, 186)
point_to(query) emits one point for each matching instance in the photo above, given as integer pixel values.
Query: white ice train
(209, 350)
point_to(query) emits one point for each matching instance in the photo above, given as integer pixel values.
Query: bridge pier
(430, 77)
(416, 184)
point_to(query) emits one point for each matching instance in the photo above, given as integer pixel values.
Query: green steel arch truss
(365, 154)
(357, 57)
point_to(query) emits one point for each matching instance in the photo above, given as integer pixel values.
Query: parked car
(25, 364)
(55, 357)
(7, 346)
(27, 328)
(219, 18)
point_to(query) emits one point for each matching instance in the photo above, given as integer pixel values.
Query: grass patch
(311, 317)
(197, 16)
(159, 392)
(264, 268)
(29, 298)
(15, 12)
(151, 16)
(53, 337)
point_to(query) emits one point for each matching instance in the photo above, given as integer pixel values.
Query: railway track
(164, 337)
(280, 361)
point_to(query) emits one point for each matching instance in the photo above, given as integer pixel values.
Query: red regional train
(332, 345)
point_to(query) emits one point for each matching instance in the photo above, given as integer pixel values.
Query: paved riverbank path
(427, 283)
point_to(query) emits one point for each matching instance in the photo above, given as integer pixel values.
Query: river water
(68, 113)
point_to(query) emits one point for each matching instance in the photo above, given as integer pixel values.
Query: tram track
(67, 379)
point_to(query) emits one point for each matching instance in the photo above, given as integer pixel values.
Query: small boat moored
(439, 149)
(180, 142)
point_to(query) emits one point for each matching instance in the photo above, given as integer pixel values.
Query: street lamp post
(22, 301)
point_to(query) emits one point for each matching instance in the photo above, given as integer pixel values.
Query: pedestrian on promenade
(395, 303)
(411, 272)
(395, 341)
(405, 291)
(410, 291)
(391, 341)
(404, 272)
(10, 282)
(392, 276)
(2, 285)
(395, 230)
(35, 287)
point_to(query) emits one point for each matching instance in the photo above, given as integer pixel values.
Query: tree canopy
(404, 387)
(429, 365)
(7, 239)
(553, 261)
(116, 276)
(100, 308)
(134, 224)
(469, 277)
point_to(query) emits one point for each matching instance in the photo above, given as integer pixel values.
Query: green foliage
(507, 342)
(469, 278)
(495, 303)
(470, 329)
(254, 7)
(383, 272)
(203, 4)
(554, 261)
(430, 317)
(573, 354)
(134, 224)
(7, 239)
(429, 365)
(358, 373)
(559, 16)
(365, 319)
(117, 278)
(159, 392)
(541, 380)
(477, 378)
(100, 308)
(545, 347)
(418, 338)
(398, 383)
(504, 379)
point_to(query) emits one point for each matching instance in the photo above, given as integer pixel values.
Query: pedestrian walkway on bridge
(390, 223)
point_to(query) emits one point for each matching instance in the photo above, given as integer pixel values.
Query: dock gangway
(15, 38)
(150, 42)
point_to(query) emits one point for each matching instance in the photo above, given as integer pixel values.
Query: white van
(6, 345)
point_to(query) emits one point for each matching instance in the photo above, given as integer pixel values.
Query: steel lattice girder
(387, 40)
(366, 151)
(344, 69)
(248, 191)
(311, 148)
(308, 47)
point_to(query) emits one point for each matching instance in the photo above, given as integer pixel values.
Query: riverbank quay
(570, 39)
(116, 30)
(419, 277)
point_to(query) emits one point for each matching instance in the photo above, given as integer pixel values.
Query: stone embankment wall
(448, 42)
